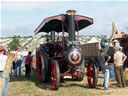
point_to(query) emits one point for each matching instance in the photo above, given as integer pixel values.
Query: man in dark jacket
(102, 60)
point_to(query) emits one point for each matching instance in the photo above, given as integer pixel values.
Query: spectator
(119, 59)
(117, 44)
(126, 61)
(3, 59)
(102, 60)
(28, 61)
(121, 49)
(18, 61)
(103, 42)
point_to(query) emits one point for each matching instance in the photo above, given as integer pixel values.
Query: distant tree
(14, 44)
(18, 36)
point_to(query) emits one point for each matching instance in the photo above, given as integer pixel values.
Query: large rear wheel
(92, 74)
(42, 66)
(55, 75)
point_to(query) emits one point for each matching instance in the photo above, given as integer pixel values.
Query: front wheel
(92, 74)
(55, 75)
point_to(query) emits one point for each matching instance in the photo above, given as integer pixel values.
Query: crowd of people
(17, 65)
(120, 62)
(21, 59)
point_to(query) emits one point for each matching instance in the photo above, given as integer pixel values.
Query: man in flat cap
(119, 59)
(3, 59)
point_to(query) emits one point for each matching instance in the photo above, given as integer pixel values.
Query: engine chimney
(71, 27)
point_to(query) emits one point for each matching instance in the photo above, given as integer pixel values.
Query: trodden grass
(30, 87)
(33, 47)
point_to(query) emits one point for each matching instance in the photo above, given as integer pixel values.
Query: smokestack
(71, 27)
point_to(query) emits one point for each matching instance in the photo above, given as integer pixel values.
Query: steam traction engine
(56, 59)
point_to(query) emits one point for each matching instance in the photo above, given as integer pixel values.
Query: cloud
(123, 25)
(113, 14)
(27, 5)
(20, 5)
(20, 13)
(22, 30)
(98, 28)
(125, 20)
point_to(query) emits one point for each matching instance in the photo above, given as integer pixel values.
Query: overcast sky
(23, 17)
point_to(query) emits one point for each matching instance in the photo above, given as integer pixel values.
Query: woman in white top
(3, 59)
(18, 61)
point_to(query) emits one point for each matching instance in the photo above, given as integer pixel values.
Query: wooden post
(6, 71)
(114, 27)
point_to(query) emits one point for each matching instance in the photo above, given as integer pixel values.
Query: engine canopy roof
(59, 22)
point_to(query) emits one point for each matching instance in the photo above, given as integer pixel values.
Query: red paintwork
(63, 16)
(38, 67)
(79, 17)
(53, 76)
(58, 17)
(76, 74)
(90, 71)
(74, 62)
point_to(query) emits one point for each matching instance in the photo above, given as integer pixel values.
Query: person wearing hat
(3, 59)
(102, 60)
(116, 43)
(103, 42)
(119, 59)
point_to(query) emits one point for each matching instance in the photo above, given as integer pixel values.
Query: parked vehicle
(58, 58)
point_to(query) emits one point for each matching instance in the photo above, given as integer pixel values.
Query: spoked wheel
(92, 75)
(38, 62)
(43, 66)
(55, 75)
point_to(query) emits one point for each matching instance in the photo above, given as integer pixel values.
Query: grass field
(33, 46)
(30, 87)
